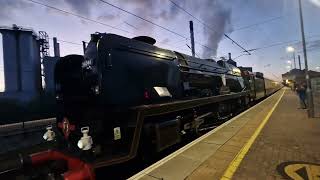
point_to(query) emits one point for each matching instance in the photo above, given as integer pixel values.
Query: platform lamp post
(290, 66)
(291, 49)
(309, 90)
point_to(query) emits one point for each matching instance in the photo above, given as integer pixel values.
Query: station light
(316, 2)
(290, 49)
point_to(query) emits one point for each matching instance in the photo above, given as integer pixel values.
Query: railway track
(27, 126)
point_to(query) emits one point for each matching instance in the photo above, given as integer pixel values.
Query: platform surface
(272, 140)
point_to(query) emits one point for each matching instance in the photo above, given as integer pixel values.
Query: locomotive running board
(158, 109)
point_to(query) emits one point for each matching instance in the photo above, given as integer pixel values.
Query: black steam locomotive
(127, 98)
(127, 94)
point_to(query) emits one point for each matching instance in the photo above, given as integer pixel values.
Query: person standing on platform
(301, 91)
(294, 86)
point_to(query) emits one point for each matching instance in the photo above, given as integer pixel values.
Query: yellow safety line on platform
(233, 166)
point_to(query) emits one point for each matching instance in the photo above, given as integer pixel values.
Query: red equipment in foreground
(77, 169)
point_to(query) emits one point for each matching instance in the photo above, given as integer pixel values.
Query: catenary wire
(153, 23)
(79, 16)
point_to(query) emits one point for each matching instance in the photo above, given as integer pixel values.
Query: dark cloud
(311, 45)
(81, 7)
(7, 7)
(84, 22)
(108, 17)
(314, 44)
(154, 10)
(130, 25)
(169, 13)
(263, 7)
(165, 41)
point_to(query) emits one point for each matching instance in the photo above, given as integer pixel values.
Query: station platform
(272, 140)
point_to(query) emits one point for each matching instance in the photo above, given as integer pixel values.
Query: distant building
(21, 63)
(48, 65)
(25, 96)
(297, 76)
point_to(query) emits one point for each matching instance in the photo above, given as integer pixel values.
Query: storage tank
(21, 61)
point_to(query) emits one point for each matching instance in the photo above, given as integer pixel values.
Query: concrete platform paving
(243, 148)
(289, 136)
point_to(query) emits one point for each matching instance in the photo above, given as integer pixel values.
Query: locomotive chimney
(230, 61)
(192, 38)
